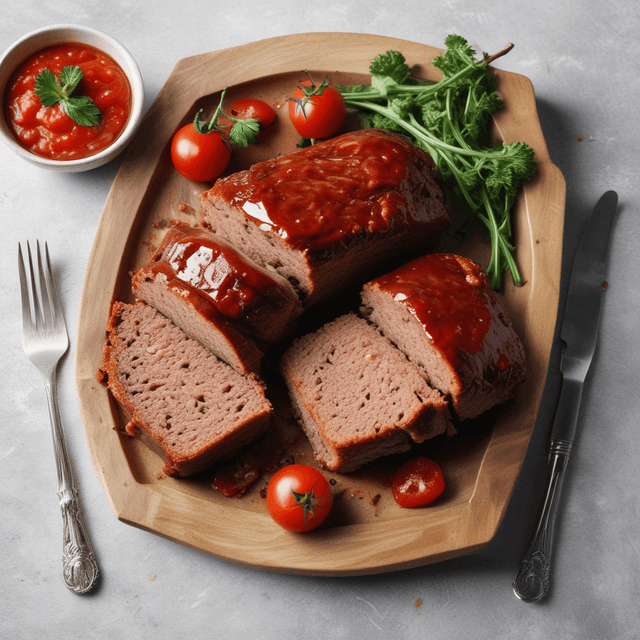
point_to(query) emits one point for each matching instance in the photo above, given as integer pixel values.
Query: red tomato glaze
(219, 274)
(447, 300)
(49, 131)
(364, 174)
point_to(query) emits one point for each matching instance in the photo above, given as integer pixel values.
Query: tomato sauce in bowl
(48, 131)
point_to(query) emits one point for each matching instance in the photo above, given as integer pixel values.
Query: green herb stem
(450, 120)
(242, 131)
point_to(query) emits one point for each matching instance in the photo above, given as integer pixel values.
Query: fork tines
(40, 303)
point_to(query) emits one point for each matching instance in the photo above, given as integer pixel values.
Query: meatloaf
(217, 296)
(356, 396)
(183, 401)
(328, 215)
(441, 312)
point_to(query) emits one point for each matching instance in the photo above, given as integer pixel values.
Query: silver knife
(578, 334)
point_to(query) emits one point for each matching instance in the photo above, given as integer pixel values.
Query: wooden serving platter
(367, 532)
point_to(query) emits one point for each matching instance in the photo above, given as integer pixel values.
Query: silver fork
(45, 340)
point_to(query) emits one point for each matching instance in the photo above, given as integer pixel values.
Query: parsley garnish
(450, 120)
(242, 131)
(81, 109)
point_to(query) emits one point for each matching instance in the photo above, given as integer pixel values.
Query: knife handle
(532, 580)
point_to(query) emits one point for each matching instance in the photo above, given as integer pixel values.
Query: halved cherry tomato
(417, 483)
(299, 498)
(200, 157)
(252, 108)
(316, 111)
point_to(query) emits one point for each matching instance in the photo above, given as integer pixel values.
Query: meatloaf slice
(441, 312)
(326, 216)
(217, 296)
(356, 396)
(155, 285)
(187, 404)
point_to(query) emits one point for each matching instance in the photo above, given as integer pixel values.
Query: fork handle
(79, 565)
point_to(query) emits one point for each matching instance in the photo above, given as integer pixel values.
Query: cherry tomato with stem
(252, 108)
(244, 108)
(197, 156)
(201, 151)
(316, 111)
(299, 498)
(417, 483)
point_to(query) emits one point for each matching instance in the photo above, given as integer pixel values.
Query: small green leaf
(70, 78)
(382, 84)
(402, 106)
(245, 132)
(48, 88)
(82, 110)
(391, 64)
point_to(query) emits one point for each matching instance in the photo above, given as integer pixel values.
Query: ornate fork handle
(532, 580)
(79, 566)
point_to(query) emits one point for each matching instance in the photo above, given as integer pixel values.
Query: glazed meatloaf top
(441, 312)
(197, 264)
(192, 407)
(330, 193)
(326, 203)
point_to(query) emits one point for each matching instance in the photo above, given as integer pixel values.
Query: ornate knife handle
(532, 580)
(79, 565)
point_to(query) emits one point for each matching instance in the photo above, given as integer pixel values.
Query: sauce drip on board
(448, 301)
(48, 131)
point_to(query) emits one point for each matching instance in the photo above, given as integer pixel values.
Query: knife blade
(578, 335)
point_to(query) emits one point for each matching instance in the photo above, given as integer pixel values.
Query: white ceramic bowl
(56, 34)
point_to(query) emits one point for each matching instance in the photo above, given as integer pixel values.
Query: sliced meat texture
(327, 216)
(441, 312)
(217, 296)
(356, 396)
(155, 285)
(182, 400)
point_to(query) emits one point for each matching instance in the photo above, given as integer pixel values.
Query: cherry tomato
(299, 498)
(417, 483)
(200, 157)
(245, 108)
(318, 116)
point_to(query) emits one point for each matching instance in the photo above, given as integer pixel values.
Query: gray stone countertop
(582, 58)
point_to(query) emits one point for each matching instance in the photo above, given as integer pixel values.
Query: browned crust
(183, 465)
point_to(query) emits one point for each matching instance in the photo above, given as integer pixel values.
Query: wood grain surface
(368, 532)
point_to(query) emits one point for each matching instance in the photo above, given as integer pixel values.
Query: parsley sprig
(81, 109)
(450, 120)
(241, 132)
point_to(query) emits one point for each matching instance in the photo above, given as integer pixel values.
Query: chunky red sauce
(446, 299)
(237, 476)
(49, 131)
(217, 273)
(328, 193)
